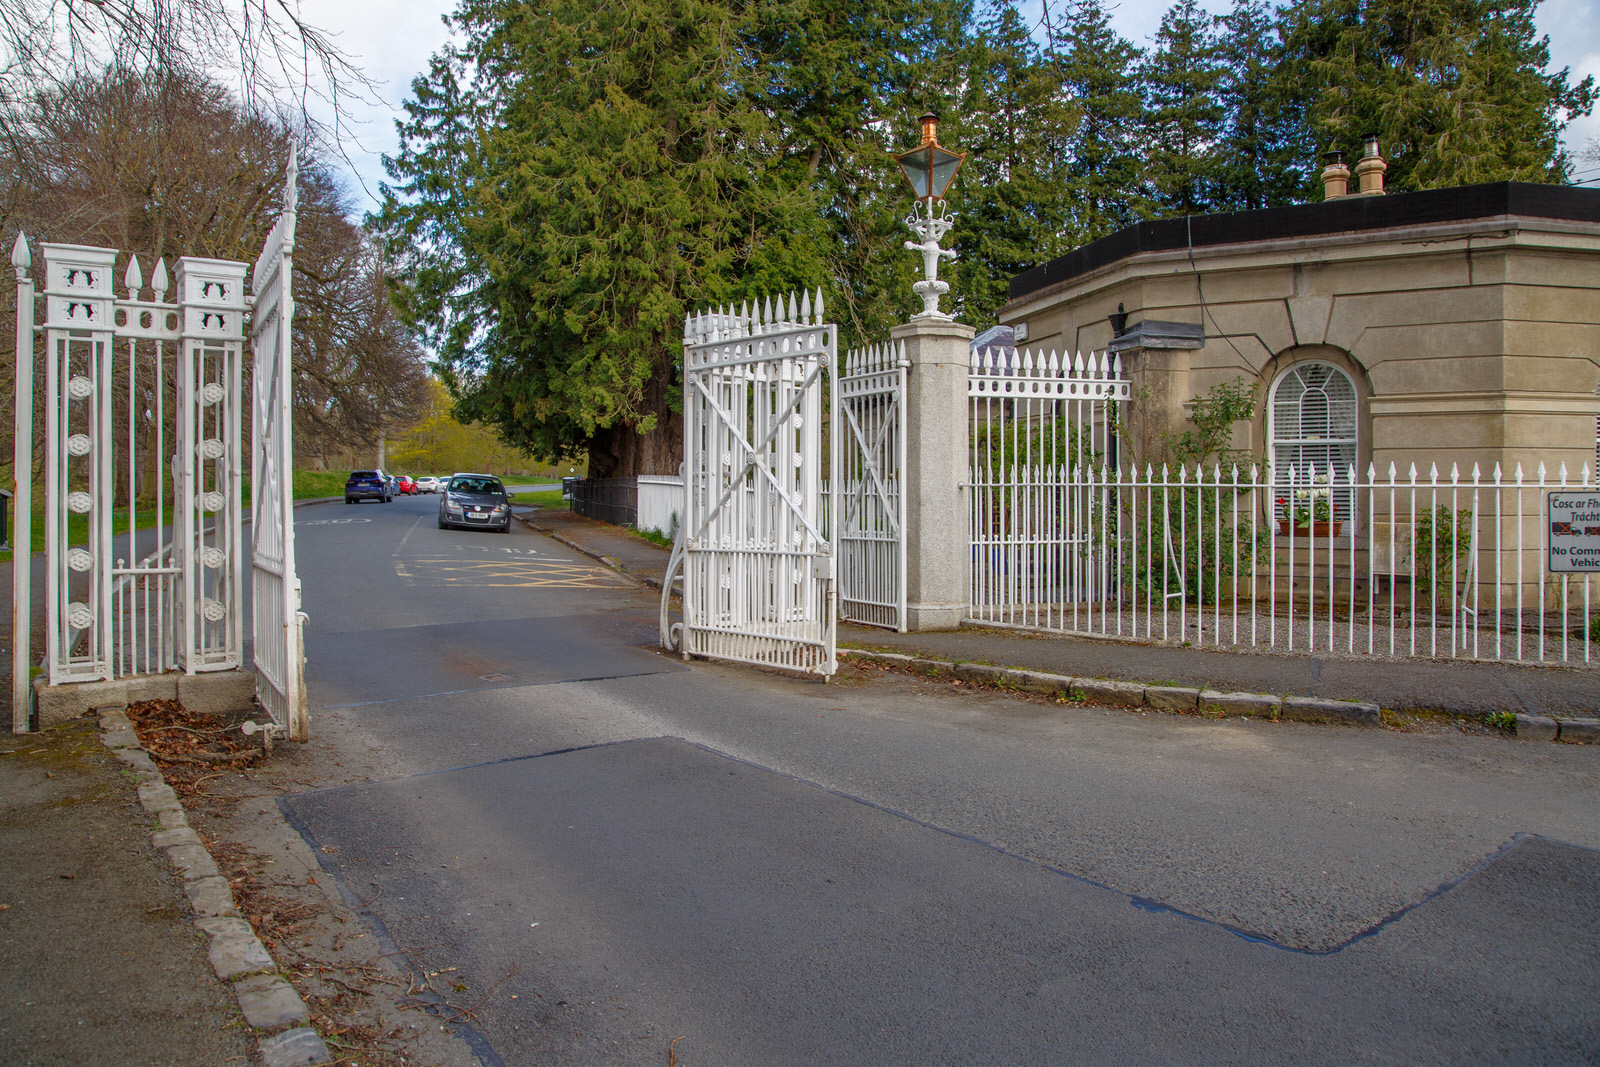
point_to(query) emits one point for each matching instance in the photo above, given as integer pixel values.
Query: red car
(404, 483)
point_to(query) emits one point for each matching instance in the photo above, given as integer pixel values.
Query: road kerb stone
(193, 861)
(158, 796)
(211, 897)
(1041, 682)
(235, 950)
(1313, 709)
(1101, 691)
(1537, 728)
(301, 1047)
(170, 838)
(114, 717)
(124, 738)
(237, 956)
(979, 673)
(1172, 698)
(269, 1003)
(1580, 731)
(140, 761)
(1254, 705)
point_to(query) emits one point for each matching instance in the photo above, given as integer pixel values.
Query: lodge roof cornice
(1356, 219)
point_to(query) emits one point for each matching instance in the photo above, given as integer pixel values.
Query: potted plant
(1309, 513)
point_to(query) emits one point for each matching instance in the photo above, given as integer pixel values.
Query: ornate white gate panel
(867, 504)
(79, 346)
(756, 563)
(119, 373)
(209, 538)
(275, 586)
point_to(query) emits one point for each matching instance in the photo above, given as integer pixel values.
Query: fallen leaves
(189, 747)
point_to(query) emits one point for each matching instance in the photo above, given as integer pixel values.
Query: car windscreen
(362, 474)
(475, 485)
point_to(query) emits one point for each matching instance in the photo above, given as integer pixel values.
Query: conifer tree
(574, 179)
(1105, 164)
(1265, 150)
(1183, 76)
(1015, 125)
(1455, 90)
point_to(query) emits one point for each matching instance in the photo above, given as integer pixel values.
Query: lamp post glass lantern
(930, 168)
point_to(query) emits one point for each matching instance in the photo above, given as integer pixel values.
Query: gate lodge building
(1451, 327)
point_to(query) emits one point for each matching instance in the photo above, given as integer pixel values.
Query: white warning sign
(1575, 530)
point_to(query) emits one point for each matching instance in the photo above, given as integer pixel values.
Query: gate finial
(21, 258)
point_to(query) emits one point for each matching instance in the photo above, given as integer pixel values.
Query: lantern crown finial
(930, 167)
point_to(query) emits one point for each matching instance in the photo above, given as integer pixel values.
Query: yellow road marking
(509, 573)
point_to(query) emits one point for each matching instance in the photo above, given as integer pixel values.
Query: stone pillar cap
(1153, 333)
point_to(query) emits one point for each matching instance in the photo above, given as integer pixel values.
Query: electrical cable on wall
(1205, 309)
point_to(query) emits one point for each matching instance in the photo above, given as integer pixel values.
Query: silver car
(475, 500)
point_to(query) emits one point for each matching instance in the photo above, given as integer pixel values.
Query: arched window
(1314, 412)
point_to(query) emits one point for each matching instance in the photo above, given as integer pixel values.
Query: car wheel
(347, 500)
(443, 525)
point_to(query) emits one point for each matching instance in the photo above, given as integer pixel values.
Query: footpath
(1546, 700)
(120, 943)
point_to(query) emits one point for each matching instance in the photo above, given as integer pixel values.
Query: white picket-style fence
(1435, 566)
(1066, 539)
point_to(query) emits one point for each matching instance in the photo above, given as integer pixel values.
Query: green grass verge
(549, 499)
(308, 485)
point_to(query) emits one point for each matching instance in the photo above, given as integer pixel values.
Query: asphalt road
(602, 851)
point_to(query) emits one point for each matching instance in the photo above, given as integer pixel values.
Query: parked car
(403, 483)
(473, 500)
(367, 485)
(427, 484)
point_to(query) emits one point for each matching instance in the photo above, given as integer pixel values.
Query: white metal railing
(1433, 566)
(1037, 418)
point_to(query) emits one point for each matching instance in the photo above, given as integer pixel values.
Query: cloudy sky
(392, 40)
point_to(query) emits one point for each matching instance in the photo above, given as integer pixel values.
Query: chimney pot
(1335, 176)
(1370, 171)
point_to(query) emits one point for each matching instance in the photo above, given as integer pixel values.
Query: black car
(474, 500)
(367, 485)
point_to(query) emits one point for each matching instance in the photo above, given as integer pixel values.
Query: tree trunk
(624, 452)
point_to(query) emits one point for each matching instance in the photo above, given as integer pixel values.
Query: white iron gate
(275, 586)
(867, 504)
(755, 560)
(131, 382)
(1038, 421)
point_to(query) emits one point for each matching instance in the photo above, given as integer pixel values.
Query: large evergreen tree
(574, 179)
(1015, 125)
(1105, 169)
(1455, 90)
(1265, 152)
(1183, 75)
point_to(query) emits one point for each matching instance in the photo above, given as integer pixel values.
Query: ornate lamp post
(930, 168)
